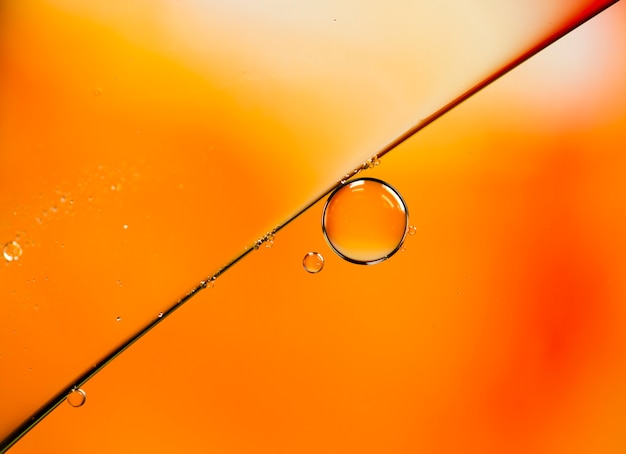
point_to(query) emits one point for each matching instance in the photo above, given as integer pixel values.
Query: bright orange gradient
(144, 144)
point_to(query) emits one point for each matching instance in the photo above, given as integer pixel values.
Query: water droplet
(365, 221)
(76, 397)
(412, 230)
(12, 251)
(118, 319)
(313, 262)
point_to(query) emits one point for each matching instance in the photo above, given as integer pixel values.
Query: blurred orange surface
(142, 146)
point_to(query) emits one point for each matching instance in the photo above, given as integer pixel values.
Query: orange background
(501, 326)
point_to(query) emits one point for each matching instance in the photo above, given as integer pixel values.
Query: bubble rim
(342, 186)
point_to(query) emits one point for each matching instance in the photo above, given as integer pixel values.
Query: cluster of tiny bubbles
(12, 251)
(371, 163)
(412, 231)
(349, 175)
(76, 397)
(313, 262)
(208, 283)
(365, 221)
(267, 239)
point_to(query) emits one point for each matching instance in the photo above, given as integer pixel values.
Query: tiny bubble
(12, 251)
(313, 262)
(63, 199)
(125, 226)
(160, 314)
(269, 243)
(76, 397)
(119, 282)
(117, 319)
(97, 91)
(412, 230)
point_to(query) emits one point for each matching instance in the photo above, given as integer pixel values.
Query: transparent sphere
(12, 251)
(313, 262)
(76, 397)
(365, 221)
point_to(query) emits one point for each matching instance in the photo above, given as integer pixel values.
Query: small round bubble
(76, 397)
(12, 251)
(313, 262)
(365, 221)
